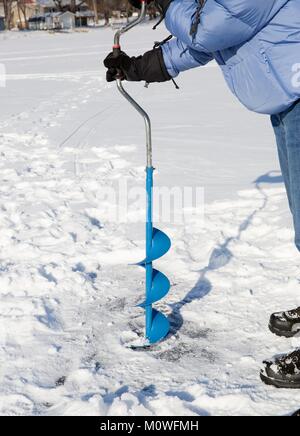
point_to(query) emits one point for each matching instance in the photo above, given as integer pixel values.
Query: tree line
(101, 8)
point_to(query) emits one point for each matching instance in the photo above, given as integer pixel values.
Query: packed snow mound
(68, 296)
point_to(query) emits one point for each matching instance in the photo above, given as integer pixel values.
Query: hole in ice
(60, 381)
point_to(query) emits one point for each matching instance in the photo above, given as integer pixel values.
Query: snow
(68, 289)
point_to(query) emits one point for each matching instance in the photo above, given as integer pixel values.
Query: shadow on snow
(221, 255)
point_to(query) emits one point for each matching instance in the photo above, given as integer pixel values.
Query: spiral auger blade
(157, 284)
(157, 287)
(160, 284)
(160, 245)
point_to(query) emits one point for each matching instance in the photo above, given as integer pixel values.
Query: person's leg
(291, 123)
(279, 130)
(284, 371)
(287, 130)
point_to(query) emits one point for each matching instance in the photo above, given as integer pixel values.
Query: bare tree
(95, 8)
(71, 5)
(22, 13)
(8, 12)
(59, 4)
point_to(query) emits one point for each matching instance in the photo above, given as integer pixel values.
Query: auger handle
(137, 107)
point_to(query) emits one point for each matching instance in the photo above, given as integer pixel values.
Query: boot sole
(282, 333)
(279, 384)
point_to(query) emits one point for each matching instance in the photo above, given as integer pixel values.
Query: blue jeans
(287, 130)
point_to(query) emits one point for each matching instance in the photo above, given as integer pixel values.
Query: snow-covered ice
(67, 292)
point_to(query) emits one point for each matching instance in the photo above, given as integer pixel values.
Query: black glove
(162, 5)
(149, 67)
(116, 66)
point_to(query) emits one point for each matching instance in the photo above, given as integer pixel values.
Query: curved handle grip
(137, 107)
(129, 26)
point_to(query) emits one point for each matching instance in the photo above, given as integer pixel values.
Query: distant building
(60, 20)
(46, 6)
(50, 17)
(2, 13)
(84, 18)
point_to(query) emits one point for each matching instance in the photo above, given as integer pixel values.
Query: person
(257, 45)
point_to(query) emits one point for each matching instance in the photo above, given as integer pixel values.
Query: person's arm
(178, 57)
(158, 65)
(223, 24)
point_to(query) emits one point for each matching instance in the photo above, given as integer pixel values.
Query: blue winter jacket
(255, 42)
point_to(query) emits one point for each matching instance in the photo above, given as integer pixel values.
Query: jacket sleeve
(223, 23)
(179, 57)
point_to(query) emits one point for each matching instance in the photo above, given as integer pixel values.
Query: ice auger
(157, 242)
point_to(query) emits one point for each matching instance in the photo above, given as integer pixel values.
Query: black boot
(285, 324)
(283, 372)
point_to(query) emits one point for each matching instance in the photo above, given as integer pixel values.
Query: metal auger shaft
(157, 242)
(117, 49)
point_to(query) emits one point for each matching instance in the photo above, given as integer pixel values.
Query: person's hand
(117, 66)
(149, 67)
